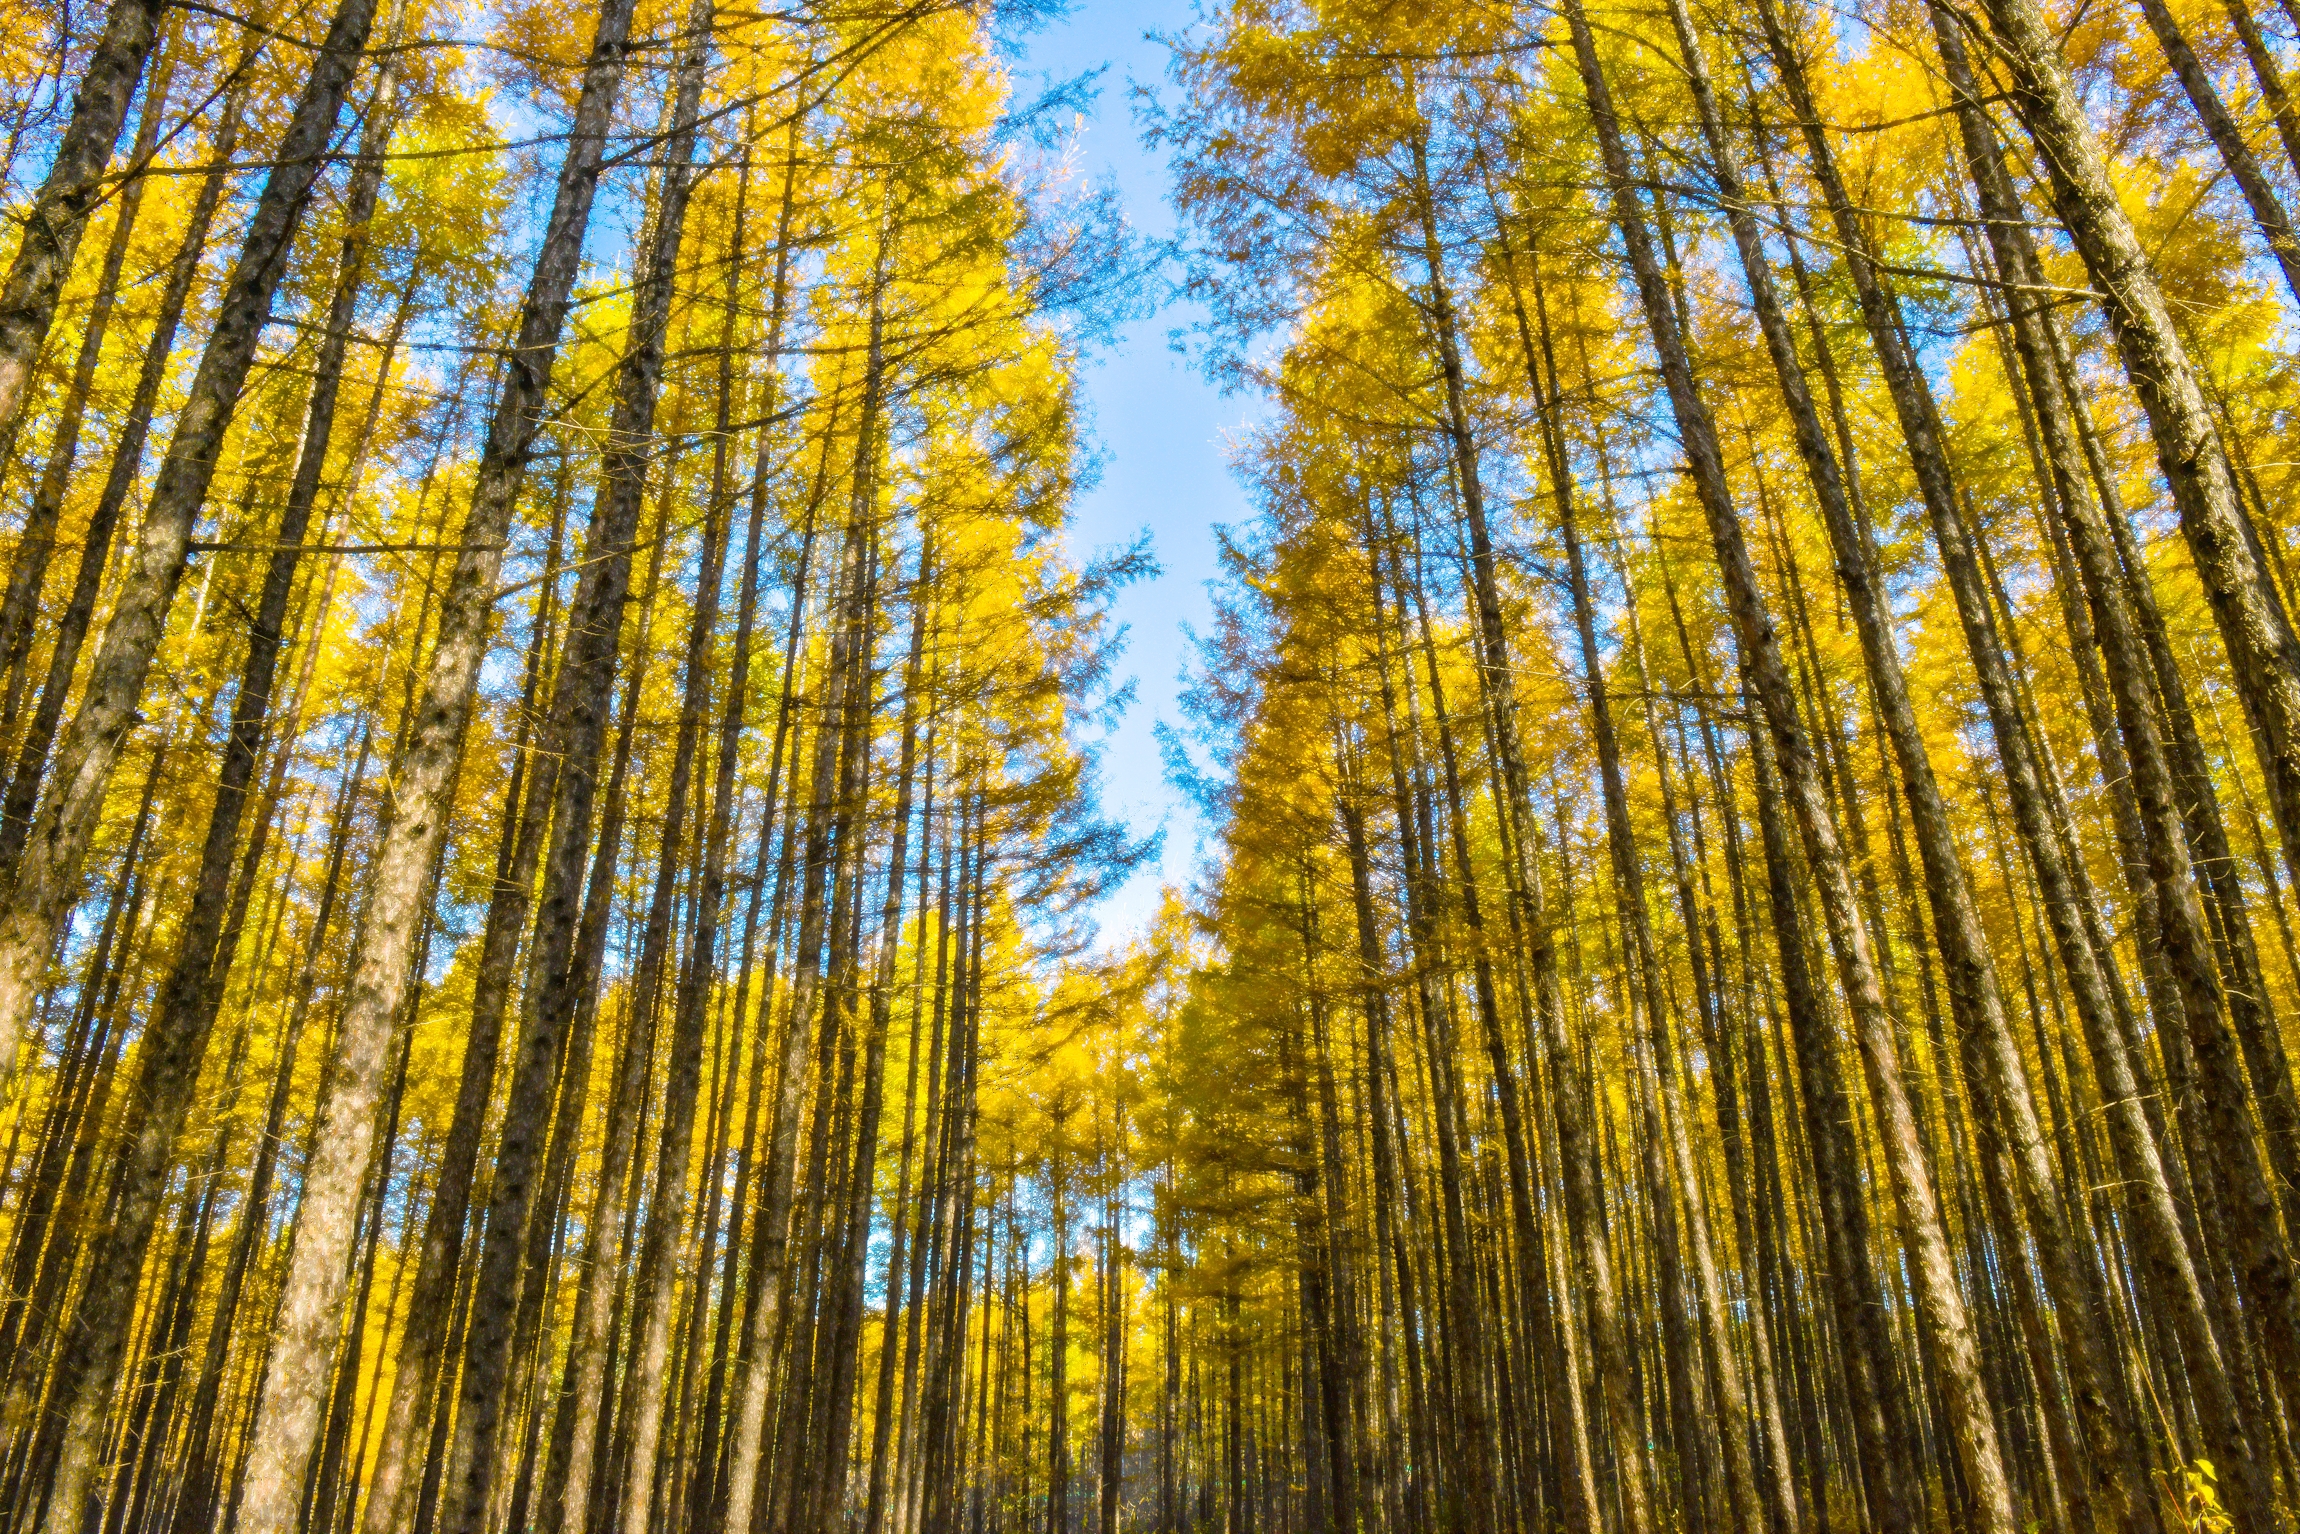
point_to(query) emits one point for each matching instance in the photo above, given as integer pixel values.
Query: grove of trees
(1742, 967)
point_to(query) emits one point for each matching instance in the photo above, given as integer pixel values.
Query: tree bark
(1994, 1069)
(176, 1039)
(28, 567)
(47, 879)
(71, 629)
(1584, 1215)
(2169, 1270)
(575, 731)
(1941, 1305)
(769, 1278)
(2268, 215)
(59, 212)
(2263, 652)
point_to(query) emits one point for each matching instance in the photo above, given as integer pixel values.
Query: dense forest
(1742, 966)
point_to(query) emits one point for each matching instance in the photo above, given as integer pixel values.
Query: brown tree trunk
(769, 1278)
(2227, 136)
(1994, 1070)
(31, 762)
(184, 1015)
(653, 1289)
(59, 212)
(2263, 652)
(1941, 1305)
(575, 731)
(195, 1506)
(1666, 1123)
(1584, 1215)
(862, 1179)
(28, 566)
(2169, 1270)
(47, 877)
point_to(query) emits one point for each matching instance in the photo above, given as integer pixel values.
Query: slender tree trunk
(654, 1290)
(71, 629)
(1114, 1339)
(594, 1337)
(1668, 1114)
(438, 1258)
(1940, 1304)
(1584, 1219)
(904, 1263)
(567, 1130)
(862, 1179)
(2227, 136)
(88, 1368)
(1315, 1271)
(2263, 652)
(575, 730)
(47, 878)
(2170, 1274)
(769, 1279)
(1994, 1068)
(2269, 75)
(28, 568)
(59, 212)
(196, 1502)
(415, 823)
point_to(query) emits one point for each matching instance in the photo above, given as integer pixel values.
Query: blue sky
(1162, 429)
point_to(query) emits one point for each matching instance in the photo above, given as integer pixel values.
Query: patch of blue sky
(1161, 430)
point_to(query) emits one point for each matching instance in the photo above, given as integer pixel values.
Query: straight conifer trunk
(88, 1369)
(1584, 1219)
(415, 822)
(58, 216)
(1941, 1305)
(2263, 653)
(28, 567)
(575, 730)
(48, 873)
(71, 628)
(2169, 1270)
(1995, 1071)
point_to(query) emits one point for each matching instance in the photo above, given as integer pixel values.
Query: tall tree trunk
(1994, 1070)
(575, 731)
(176, 1040)
(769, 1278)
(28, 567)
(59, 212)
(2263, 652)
(2269, 75)
(2227, 136)
(1114, 1338)
(1060, 1257)
(71, 628)
(862, 1178)
(653, 1287)
(1668, 1116)
(2169, 1271)
(415, 823)
(1584, 1219)
(196, 1502)
(438, 1257)
(567, 1130)
(1941, 1305)
(576, 721)
(1314, 1262)
(47, 877)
